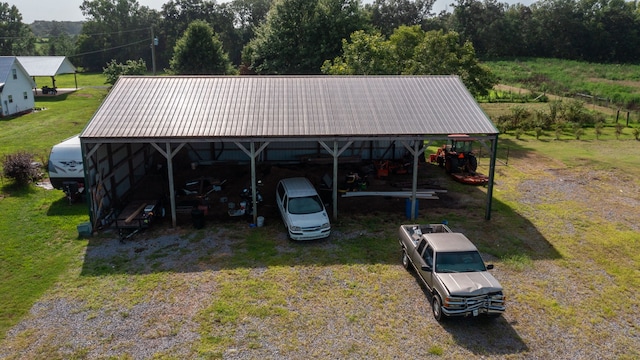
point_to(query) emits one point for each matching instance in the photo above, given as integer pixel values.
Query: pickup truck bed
(415, 231)
(453, 271)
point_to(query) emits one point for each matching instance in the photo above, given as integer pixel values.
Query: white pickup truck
(453, 271)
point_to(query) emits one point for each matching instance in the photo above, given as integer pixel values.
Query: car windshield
(461, 261)
(305, 205)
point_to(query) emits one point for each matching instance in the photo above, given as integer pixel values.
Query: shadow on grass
(62, 207)
(44, 99)
(13, 189)
(498, 338)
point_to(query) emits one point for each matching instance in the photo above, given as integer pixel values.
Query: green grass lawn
(38, 228)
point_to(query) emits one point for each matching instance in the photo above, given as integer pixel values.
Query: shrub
(599, 129)
(21, 168)
(518, 133)
(539, 132)
(619, 128)
(558, 130)
(114, 69)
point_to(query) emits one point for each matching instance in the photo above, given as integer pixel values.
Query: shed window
(15, 73)
(10, 98)
(25, 95)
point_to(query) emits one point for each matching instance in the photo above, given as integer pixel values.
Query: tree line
(328, 36)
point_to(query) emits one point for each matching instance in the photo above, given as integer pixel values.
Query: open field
(563, 237)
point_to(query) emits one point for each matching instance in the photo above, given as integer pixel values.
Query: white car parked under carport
(302, 210)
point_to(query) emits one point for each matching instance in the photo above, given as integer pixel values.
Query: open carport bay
(211, 188)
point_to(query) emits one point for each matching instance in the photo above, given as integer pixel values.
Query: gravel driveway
(170, 294)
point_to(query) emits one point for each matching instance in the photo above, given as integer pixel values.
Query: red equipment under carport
(459, 160)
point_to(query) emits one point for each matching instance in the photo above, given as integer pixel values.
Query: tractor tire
(472, 164)
(451, 166)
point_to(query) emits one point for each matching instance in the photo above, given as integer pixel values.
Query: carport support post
(252, 153)
(336, 154)
(492, 171)
(414, 186)
(415, 151)
(172, 192)
(334, 190)
(254, 190)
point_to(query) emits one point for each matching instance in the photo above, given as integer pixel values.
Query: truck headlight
(295, 229)
(325, 226)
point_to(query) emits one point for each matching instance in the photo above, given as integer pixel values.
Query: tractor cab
(457, 155)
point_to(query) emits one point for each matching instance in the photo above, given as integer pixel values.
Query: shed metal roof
(46, 65)
(144, 108)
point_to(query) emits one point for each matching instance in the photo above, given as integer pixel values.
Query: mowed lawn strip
(38, 228)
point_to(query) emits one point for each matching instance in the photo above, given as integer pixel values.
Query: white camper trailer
(65, 167)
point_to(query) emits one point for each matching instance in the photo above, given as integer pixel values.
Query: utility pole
(154, 43)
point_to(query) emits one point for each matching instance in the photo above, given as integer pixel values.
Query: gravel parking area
(170, 293)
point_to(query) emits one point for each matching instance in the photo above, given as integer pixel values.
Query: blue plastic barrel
(407, 209)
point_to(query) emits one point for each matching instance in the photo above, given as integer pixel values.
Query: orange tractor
(459, 160)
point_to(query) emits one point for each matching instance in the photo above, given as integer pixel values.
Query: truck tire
(405, 260)
(436, 308)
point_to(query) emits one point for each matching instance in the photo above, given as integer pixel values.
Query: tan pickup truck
(453, 271)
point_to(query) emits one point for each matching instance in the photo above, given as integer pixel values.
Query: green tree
(405, 39)
(199, 52)
(247, 16)
(61, 44)
(298, 35)
(178, 14)
(115, 29)
(114, 70)
(364, 54)
(17, 38)
(410, 51)
(388, 15)
(440, 53)
(486, 25)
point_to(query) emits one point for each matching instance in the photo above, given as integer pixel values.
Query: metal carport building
(255, 113)
(48, 66)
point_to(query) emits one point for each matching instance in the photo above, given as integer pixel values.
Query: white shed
(16, 95)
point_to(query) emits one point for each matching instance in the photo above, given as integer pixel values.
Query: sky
(69, 10)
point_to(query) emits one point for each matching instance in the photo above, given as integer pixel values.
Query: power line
(112, 48)
(117, 32)
(94, 34)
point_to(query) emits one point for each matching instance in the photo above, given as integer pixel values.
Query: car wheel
(436, 307)
(405, 259)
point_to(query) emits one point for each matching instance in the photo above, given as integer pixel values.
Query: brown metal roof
(240, 107)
